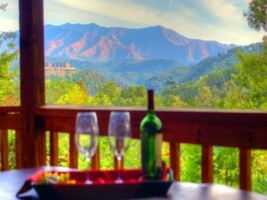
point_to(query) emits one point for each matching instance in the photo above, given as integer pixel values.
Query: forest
(240, 87)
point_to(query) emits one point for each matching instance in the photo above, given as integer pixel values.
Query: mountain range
(94, 43)
(151, 56)
(157, 73)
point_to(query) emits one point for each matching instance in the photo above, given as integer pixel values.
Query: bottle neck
(150, 97)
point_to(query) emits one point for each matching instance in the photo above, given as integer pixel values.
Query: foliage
(183, 75)
(251, 80)
(12, 149)
(205, 97)
(8, 93)
(191, 163)
(257, 15)
(3, 6)
(226, 166)
(259, 171)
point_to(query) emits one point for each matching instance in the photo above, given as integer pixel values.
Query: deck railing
(208, 128)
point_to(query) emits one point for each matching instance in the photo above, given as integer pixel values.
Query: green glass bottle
(151, 139)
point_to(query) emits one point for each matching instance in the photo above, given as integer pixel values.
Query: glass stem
(88, 181)
(119, 180)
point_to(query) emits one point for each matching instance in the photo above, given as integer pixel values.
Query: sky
(217, 20)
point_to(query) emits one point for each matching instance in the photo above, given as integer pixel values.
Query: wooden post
(18, 149)
(245, 169)
(207, 164)
(32, 81)
(4, 149)
(175, 160)
(54, 148)
(96, 160)
(73, 152)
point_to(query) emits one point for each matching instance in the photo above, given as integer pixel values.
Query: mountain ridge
(102, 44)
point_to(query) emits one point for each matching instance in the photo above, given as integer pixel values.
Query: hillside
(92, 80)
(124, 72)
(207, 66)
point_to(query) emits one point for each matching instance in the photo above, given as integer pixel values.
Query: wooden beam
(214, 130)
(32, 81)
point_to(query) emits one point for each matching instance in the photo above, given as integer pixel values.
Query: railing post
(116, 163)
(4, 149)
(207, 164)
(18, 149)
(96, 160)
(245, 169)
(73, 151)
(175, 160)
(53, 148)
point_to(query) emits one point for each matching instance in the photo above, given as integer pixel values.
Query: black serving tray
(103, 187)
(103, 191)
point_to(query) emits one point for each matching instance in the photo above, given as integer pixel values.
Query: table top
(12, 181)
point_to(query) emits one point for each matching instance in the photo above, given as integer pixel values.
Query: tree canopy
(3, 6)
(257, 15)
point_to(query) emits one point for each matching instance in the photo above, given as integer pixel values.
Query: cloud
(117, 10)
(220, 20)
(225, 11)
(9, 19)
(9, 24)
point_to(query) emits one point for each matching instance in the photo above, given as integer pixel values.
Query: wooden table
(11, 182)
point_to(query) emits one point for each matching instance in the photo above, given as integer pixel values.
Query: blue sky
(219, 20)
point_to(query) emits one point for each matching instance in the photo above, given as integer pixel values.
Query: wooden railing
(208, 128)
(9, 120)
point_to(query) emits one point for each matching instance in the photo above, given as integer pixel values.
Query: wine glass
(119, 136)
(86, 136)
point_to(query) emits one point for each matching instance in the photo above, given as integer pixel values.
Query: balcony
(243, 130)
(30, 121)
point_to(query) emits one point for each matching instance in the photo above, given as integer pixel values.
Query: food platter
(103, 187)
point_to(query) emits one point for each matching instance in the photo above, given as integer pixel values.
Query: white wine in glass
(86, 136)
(119, 136)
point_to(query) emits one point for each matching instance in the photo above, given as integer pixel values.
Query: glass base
(119, 181)
(88, 182)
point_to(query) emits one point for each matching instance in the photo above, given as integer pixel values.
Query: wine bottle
(151, 139)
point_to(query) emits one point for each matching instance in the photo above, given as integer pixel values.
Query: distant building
(62, 65)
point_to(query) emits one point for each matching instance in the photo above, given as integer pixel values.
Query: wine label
(158, 149)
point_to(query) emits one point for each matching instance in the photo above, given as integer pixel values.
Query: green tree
(257, 15)
(110, 92)
(206, 97)
(133, 96)
(226, 166)
(3, 6)
(8, 93)
(251, 78)
(170, 97)
(65, 91)
(191, 163)
(233, 97)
